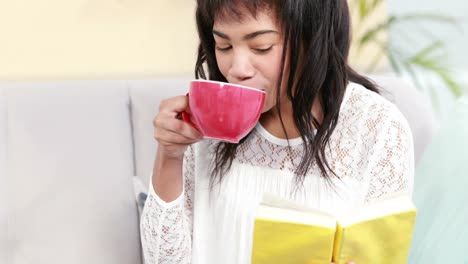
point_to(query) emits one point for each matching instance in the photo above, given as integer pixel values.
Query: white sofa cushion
(70, 163)
(145, 98)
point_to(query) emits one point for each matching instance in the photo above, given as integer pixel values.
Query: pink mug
(222, 110)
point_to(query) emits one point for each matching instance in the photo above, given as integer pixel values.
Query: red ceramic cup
(224, 111)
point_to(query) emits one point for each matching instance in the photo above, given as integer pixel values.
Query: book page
(392, 205)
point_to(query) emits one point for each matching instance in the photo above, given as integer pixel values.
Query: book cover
(380, 232)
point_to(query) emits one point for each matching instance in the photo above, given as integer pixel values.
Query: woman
(325, 138)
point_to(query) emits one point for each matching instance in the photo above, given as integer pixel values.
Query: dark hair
(317, 32)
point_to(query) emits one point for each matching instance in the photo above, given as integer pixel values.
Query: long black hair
(317, 33)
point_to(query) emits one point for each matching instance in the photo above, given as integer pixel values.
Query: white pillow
(141, 192)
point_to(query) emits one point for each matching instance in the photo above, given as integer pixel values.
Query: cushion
(440, 194)
(70, 174)
(141, 193)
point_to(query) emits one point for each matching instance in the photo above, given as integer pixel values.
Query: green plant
(403, 60)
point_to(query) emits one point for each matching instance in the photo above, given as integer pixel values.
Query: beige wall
(76, 39)
(362, 59)
(82, 39)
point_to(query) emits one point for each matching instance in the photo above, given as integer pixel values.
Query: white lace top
(371, 151)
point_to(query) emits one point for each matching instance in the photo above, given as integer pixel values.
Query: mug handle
(188, 118)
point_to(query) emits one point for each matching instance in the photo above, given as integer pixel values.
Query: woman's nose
(241, 67)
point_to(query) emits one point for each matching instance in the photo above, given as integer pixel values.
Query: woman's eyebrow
(248, 36)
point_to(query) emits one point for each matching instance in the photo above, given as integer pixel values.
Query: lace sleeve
(166, 228)
(391, 167)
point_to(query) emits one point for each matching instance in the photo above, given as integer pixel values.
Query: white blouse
(371, 151)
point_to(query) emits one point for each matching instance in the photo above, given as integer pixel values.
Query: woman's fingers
(173, 134)
(175, 104)
(167, 137)
(167, 122)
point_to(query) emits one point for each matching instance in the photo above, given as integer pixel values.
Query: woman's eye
(226, 48)
(263, 50)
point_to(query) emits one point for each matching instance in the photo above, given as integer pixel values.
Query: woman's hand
(173, 134)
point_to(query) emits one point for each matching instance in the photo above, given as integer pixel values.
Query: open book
(379, 232)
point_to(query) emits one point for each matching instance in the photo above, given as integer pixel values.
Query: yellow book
(380, 232)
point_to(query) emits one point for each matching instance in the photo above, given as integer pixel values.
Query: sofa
(76, 155)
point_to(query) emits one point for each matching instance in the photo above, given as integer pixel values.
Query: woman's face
(249, 53)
